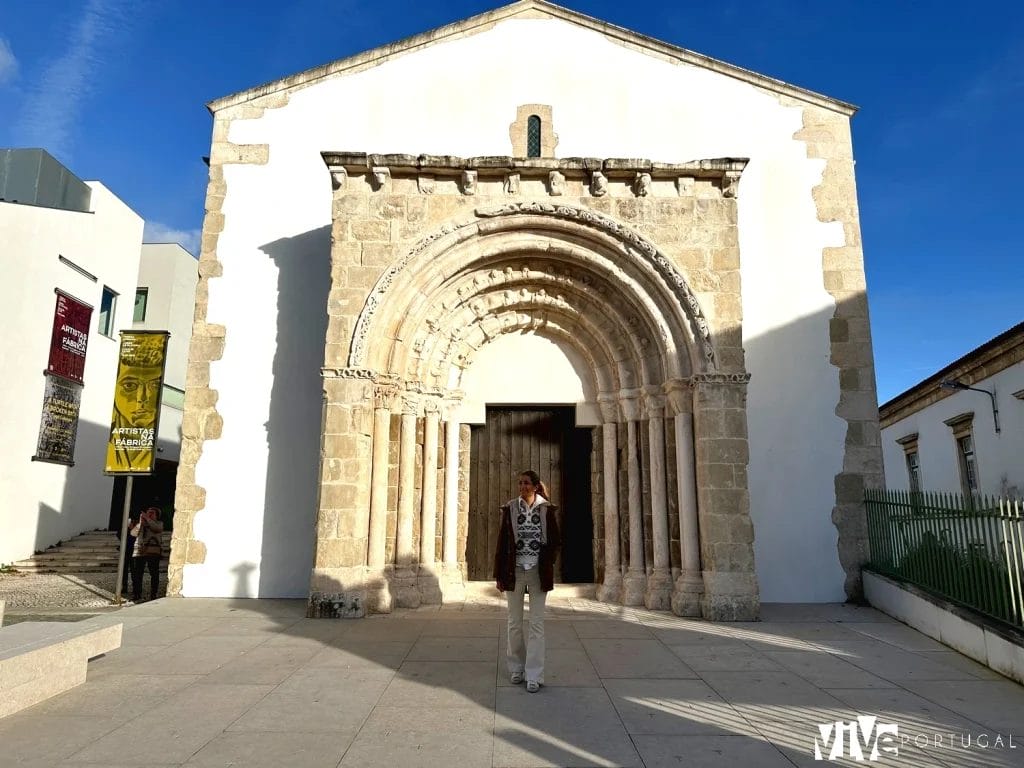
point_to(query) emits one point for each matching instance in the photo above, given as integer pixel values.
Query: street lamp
(953, 384)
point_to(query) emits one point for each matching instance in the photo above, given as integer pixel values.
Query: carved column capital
(680, 395)
(609, 405)
(385, 396)
(411, 401)
(630, 402)
(654, 402)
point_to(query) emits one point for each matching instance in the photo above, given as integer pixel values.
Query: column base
(378, 591)
(428, 582)
(730, 596)
(611, 590)
(634, 588)
(658, 596)
(404, 588)
(687, 593)
(453, 587)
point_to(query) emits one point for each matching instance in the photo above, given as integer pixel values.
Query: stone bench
(39, 659)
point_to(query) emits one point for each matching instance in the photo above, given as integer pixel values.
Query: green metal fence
(967, 549)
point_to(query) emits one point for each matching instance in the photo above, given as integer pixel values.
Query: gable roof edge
(388, 51)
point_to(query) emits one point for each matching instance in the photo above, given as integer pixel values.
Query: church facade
(629, 267)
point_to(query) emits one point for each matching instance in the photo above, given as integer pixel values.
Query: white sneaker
(533, 686)
(516, 678)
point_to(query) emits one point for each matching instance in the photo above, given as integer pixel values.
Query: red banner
(70, 338)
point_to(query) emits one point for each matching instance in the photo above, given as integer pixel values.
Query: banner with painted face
(131, 448)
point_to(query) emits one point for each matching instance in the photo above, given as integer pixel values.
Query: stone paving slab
(253, 682)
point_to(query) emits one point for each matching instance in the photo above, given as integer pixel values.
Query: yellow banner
(131, 448)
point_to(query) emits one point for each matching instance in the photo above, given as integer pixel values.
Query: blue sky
(116, 91)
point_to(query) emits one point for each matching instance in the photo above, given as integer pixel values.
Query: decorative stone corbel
(380, 176)
(339, 176)
(425, 184)
(730, 183)
(469, 182)
(512, 184)
(598, 184)
(684, 185)
(556, 183)
(642, 185)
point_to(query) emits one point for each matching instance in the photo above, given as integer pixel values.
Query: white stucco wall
(170, 273)
(42, 503)
(607, 101)
(999, 459)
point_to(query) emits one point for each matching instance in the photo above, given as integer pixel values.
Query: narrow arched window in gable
(533, 136)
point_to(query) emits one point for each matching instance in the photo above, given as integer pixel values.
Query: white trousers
(527, 657)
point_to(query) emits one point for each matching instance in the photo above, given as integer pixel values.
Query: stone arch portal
(395, 430)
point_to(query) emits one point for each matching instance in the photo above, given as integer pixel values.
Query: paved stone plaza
(254, 683)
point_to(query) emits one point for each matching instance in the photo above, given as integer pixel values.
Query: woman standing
(524, 563)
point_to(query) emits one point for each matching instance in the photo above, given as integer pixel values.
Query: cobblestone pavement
(60, 597)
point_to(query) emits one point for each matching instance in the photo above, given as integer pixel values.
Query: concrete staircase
(89, 552)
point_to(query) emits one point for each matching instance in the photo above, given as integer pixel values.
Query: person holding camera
(149, 548)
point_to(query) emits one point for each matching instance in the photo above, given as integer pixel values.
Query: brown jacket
(505, 555)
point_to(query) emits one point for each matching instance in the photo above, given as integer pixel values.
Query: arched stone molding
(630, 260)
(608, 342)
(640, 316)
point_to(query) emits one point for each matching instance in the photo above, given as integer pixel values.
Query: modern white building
(668, 243)
(58, 233)
(961, 430)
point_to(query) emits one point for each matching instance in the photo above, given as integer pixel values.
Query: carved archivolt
(637, 245)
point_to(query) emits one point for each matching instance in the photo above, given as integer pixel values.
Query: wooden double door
(546, 440)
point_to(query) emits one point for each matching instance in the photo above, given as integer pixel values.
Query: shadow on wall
(293, 430)
(85, 484)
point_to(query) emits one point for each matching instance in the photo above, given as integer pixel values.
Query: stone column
(403, 585)
(379, 592)
(635, 581)
(611, 590)
(452, 586)
(659, 582)
(731, 591)
(428, 579)
(338, 585)
(689, 587)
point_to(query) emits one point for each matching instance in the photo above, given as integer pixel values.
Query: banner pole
(124, 538)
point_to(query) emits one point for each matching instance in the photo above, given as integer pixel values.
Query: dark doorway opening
(156, 489)
(546, 440)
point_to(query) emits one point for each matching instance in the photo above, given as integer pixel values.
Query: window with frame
(913, 461)
(967, 462)
(108, 305)
(141, 301)
(968, 465)
(533, 136)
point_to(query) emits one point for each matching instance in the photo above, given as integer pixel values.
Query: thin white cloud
(8, 62)
(155, 232)
(54, 103)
